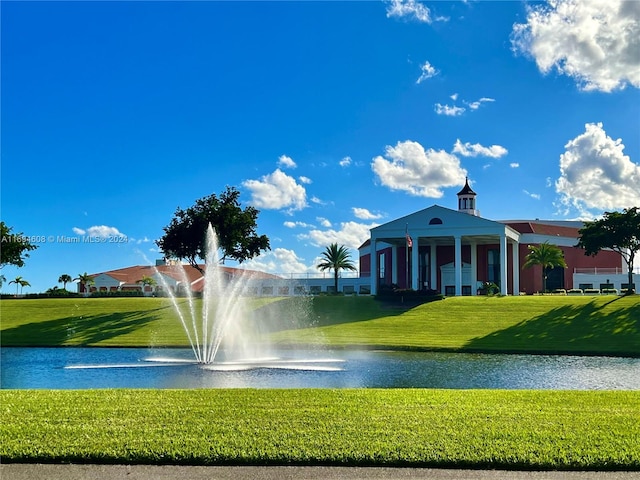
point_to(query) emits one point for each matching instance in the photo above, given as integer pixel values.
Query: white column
(458, 266)
(374, 266)
(394, 264)
(474, 268)
(516, 267)
(415, 261)
(503, 264)
(433, 266)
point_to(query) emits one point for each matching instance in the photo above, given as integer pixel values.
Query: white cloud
(285, 161)
(428, 71)
(595, 42)
(514, 165)
(99, 231)
(595, 173)
(473, 150)
(324, 222)
(410, 9)
(411, 168)
(296, 224)
(475, 105)
(364, 214)
(276, 191)
(317, 201)
(279, 260)
(305, 180)
(449, 110)
(454, 97)
(351, 235)
(532, 195)
(345, 162)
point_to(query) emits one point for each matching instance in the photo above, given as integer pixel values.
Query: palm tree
(20, 282)
(2, 280)
(64, 279)
(337, 258)
(86, 280)
(546, 255)
(146, 280)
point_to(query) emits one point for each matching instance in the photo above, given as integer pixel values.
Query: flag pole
(406, 255)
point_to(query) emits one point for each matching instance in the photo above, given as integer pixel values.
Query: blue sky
(329, 117)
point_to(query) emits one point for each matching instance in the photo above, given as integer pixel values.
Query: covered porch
(450, 252)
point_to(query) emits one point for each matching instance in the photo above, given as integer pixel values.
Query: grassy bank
(444, 428)
(591, 325)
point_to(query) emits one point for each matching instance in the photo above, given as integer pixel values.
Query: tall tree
(184, 237)
(85, 280)
(618, 231)
(336, 258)
(547, 256)
(14, 248)
(64, 279)
(2, 280)
(20, 282)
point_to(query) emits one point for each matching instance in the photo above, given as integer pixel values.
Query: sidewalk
(170, 472)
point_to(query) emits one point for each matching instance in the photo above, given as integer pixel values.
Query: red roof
(132, 275)
(545, 229)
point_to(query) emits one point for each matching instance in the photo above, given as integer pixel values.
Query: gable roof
(450, 219)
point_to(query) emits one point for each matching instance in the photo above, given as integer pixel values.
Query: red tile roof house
(173, 277)
(455, 251)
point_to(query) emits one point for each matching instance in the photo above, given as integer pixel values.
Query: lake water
(83, 368)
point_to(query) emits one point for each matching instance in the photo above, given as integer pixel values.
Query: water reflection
(81, 368)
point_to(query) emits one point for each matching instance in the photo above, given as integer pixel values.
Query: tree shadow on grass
(576, 329)
(78, 330)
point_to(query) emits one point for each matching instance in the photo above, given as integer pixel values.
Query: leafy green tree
(14, 248)
(20, 282)
(618, 231)
(85, 280)
(336, 258)
(184, 237)
(64, 279)
(547, 256)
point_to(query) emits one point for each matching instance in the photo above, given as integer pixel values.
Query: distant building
(455, 251)
(175, 277)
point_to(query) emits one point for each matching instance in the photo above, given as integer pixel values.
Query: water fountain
(223, 318)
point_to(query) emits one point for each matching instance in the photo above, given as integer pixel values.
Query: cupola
(467, 200)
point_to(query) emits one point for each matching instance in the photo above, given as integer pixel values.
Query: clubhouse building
(455, 252)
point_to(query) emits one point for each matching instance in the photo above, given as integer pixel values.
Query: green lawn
(412, 427)
(401, 427)
(549, 324)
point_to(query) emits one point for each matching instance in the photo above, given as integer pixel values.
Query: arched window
(435, 221)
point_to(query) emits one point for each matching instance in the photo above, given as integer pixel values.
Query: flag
(409, 241)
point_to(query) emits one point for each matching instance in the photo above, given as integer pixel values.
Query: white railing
(605, 271)
(599, 271)
(318, 275)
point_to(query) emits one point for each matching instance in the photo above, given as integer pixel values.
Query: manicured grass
(444, 428)
(550, 324)
(128, 322)
(536, 324)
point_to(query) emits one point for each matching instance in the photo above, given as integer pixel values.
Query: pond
(84, 368)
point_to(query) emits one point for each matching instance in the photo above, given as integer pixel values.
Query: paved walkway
(154, 472)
